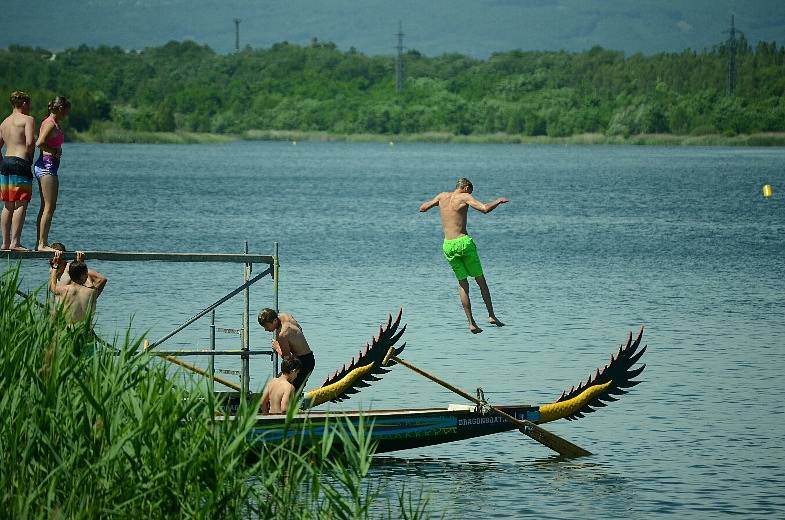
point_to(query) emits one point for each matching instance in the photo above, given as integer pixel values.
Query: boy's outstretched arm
(425, 206)
(486, 208)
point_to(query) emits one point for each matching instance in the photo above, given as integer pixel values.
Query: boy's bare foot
(44, 248)
(474, 329)
(19, 248)
(4, 247)
(493, 320)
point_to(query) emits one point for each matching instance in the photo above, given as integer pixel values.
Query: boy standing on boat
(289, 340)
(280, 391)
(16, 175)
(459, 248)
(77, 298)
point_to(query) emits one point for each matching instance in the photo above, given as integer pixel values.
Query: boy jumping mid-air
(459, 248)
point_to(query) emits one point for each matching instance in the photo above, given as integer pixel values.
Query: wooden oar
(561, 446)
(197, 370)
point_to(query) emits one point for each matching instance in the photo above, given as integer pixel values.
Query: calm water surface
(596, 242)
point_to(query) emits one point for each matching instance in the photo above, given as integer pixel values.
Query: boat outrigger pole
(561, 446)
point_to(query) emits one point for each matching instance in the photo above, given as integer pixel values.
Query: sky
(472, 27)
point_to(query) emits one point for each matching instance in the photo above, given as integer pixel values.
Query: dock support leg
(276, 267)
(211, 364)
(246, 310)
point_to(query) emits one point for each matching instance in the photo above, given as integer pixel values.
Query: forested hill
(185, 86)
(473, 27)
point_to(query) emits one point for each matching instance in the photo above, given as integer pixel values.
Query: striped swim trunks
(16, 180)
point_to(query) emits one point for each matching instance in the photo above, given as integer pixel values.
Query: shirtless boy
(278, 392)
(459, 248)
(289, 340)
(77, 298)
(63, 278)
(16, 176)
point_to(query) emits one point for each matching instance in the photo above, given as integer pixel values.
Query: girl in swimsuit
(50, 142)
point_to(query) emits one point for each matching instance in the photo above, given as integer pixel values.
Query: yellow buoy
(767, 190)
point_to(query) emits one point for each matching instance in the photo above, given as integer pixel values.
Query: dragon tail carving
(366, 368)
(601, 387)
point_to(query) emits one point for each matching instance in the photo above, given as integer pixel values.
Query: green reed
(106, 133)
(87, 432)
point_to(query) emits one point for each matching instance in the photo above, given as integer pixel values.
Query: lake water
(596, 242)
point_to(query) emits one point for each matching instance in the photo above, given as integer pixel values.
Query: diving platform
(247, 261)
(125, 256)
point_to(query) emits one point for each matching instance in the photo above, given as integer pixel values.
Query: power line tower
(236, 35)
(732, 48)
(399, 60)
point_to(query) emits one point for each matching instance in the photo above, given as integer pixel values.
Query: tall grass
(760, 139)
(106, 133)
(103, 133)
(89, 433)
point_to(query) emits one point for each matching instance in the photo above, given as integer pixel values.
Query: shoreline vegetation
(183, 92)
(122, 136)
(87, 432)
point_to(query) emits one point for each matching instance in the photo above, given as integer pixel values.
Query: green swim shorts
(461, 254)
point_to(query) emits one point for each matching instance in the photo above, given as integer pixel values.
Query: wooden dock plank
(127, 256)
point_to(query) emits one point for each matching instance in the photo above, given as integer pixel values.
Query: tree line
(184, 86)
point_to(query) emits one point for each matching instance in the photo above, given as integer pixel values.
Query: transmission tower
(730, 73)
(399, 60)
(237, 35)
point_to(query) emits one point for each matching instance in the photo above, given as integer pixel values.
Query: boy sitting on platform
(280, 391)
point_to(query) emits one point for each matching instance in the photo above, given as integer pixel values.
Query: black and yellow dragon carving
(600, 388)
(367, 367)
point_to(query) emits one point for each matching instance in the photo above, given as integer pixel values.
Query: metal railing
(244, 258)
(120, 256)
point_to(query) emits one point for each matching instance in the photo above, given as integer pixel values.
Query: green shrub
(704, 130)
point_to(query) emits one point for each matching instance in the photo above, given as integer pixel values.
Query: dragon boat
(402, 429)
(394, 429)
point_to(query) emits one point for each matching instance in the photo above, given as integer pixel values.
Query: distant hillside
(472, 27)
